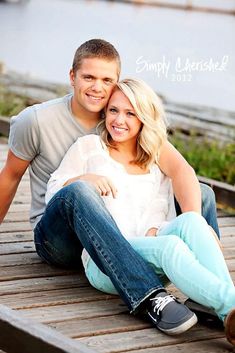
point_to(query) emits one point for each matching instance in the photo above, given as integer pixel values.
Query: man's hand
(103, 185)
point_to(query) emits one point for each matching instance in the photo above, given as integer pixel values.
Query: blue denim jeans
(179, 253)
(76, 217)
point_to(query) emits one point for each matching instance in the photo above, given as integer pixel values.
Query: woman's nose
(120, 119)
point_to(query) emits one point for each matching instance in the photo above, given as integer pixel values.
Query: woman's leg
(194, 231)
(170, 255)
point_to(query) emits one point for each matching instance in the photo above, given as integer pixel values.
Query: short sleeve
(24, 134)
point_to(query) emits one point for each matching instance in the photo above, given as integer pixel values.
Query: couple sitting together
(106, 184)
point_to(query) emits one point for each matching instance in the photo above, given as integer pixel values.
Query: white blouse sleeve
(72, 165)
(161, 209)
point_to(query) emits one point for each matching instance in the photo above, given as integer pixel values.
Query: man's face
(93, 83)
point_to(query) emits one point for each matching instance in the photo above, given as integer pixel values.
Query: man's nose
(97, 86)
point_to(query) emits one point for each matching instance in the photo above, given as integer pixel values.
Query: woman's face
(121, 120)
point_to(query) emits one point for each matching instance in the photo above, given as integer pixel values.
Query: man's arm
(10, 177)
(185, 184)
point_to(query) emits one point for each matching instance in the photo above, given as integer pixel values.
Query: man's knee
(79, 190)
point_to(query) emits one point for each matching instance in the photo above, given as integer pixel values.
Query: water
(161, 46)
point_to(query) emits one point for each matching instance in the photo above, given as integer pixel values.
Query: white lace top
(143, 201)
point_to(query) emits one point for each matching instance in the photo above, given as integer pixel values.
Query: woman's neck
(125, 155)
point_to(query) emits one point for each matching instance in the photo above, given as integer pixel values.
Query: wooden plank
(27, 335)
(226, 221)
(220, 345)
(101, 325)
(14, 248)
(227, 231)
(42, 284)
(16, 237)
(148, 338)
(81, 294)
(31, 271)
(17, 226)
(17, 216)
(57, 313)
(19, 259)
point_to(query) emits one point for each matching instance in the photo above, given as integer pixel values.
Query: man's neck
(87, 119)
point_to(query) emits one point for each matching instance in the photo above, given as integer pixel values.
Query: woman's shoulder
(89, 143)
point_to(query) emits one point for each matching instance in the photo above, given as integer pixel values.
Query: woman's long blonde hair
(149, 110)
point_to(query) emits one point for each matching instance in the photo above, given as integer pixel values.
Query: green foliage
(10, 103)
(209, 158)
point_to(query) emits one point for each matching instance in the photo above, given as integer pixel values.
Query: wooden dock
(80, 315)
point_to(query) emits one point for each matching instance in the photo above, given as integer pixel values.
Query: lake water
(187, 56)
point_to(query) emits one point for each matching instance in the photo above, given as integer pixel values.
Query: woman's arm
(184, 181)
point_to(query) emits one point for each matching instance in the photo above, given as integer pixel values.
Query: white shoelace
(161, 302)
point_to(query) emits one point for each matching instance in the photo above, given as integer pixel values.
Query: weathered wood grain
(148, 338)
(25, 336)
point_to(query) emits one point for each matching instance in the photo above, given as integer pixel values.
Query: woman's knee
(191, 217)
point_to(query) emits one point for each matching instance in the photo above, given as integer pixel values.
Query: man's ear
(72, 77)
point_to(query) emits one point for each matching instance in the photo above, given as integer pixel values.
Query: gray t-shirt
(42, 134)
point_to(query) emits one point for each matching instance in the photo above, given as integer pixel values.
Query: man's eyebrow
(87, 74)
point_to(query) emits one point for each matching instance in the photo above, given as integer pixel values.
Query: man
(40, 136)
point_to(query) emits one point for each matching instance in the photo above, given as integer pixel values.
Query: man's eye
(88, 78)
(108, 81)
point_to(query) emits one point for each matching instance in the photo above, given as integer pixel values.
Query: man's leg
(208, 207)
(77, 215)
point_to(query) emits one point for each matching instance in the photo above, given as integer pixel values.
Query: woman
(123, 167)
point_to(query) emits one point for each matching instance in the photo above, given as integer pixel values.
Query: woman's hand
(152, 232)
(103, 185)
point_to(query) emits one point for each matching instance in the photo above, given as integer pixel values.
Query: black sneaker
(170, 316)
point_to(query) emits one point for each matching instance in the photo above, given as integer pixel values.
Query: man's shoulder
(43, 109)
(53, 104)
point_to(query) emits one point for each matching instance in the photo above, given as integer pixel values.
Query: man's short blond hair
(96, 48)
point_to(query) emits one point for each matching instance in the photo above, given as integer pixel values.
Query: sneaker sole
(181, 328)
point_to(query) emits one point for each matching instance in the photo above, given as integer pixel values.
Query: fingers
(105, 187)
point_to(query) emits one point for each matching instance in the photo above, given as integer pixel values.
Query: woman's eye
(113, 110)
(131, 114)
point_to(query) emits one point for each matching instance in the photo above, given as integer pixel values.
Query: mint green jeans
(186, 253)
